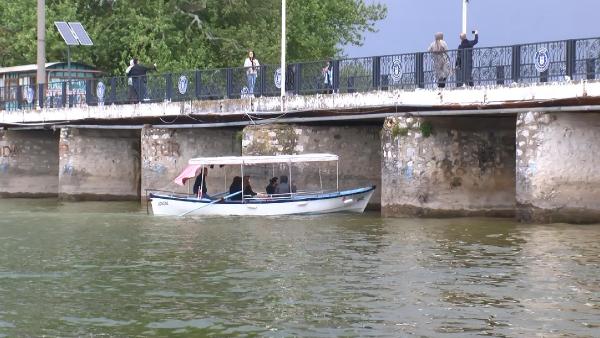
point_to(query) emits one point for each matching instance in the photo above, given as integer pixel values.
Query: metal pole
(41, 45)
(337, 175)
(69, 73)
(283, 43)
(290, 180)
(242, 171)
(464, 16)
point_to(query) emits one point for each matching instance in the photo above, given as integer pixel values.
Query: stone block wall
(28, 163)
(558, 167)
(99, 164)
(358, 147)
(448, 166)
(165, 152)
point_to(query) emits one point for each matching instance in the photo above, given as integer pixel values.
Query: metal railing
(553, 61)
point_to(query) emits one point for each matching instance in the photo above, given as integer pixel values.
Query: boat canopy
(196, 163)
(245, 160)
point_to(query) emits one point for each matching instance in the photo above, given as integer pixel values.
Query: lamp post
(464, 15)
(41, 46)
(283, 43)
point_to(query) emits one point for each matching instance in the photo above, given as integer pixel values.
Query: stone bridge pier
(358, 148)
(558, 167)
(99, 164)
(28, 163)
(448, 166)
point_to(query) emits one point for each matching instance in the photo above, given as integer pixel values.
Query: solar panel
(81, 34)
(66, 33)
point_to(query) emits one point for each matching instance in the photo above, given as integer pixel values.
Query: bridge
(519, 142)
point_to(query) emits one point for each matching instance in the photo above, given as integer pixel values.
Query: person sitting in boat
(247, 187)
(272, 186)
(201, 180)
(236, 186)
(284, 187)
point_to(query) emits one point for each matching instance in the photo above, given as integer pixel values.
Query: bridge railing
(552, 61)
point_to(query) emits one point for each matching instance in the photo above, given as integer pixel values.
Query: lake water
(108, 269)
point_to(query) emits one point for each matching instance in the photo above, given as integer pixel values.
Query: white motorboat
(231, 203)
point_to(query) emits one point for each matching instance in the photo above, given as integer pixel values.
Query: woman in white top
(251, 64)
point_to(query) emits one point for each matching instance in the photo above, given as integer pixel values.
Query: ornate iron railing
(553, 61)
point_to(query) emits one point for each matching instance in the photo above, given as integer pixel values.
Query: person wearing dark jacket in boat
(201, 180)
(272, 186)
(138, 75)
(236, 186)
(464, 60)
(247, 187)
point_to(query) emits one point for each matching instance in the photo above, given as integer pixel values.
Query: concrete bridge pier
(448, 166)
(558, 167)
(28, 163)
(358, 147)
(99, 164)
(165, 152)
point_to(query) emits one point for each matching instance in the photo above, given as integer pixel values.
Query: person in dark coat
(247, 187)
(236, 186)
(138, 75)
(201, 180)
(464, 60)
(272, 186)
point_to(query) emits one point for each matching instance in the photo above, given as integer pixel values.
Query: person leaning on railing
(464, 59)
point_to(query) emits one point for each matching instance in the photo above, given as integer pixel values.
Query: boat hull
(344, 201)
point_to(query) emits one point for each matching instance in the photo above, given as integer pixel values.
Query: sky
(411, 24)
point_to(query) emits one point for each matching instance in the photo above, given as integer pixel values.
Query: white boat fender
(348, 201)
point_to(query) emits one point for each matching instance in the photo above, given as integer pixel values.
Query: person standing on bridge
(251, 64)
(441, 61)
(464, 60)
(138, 75)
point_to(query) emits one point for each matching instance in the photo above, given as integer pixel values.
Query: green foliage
(397, 131)
(426, 128)
(186, 34)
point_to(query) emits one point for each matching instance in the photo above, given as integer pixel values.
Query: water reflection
(69, 269)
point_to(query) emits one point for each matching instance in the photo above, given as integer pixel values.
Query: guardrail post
(64, 95)
(262, 70)
(590, 69)
(376, 72)
(198, 82)
(298, 78)
(336, 76)
(419, 70)
(571, 57)
(113, 90)
(516, 63)
(169, 85)
(500, 75)
(88, 92)
(229, 81)
(40, 95)
(544, 76)
(19, 96)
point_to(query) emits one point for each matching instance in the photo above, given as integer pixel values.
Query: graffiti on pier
(7, 150)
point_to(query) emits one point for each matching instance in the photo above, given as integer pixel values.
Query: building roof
(33, 67)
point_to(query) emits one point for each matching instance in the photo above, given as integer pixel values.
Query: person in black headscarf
(272, 186)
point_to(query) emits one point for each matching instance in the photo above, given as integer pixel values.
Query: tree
(186, 34)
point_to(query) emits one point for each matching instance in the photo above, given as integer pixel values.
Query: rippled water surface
(85, 269)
